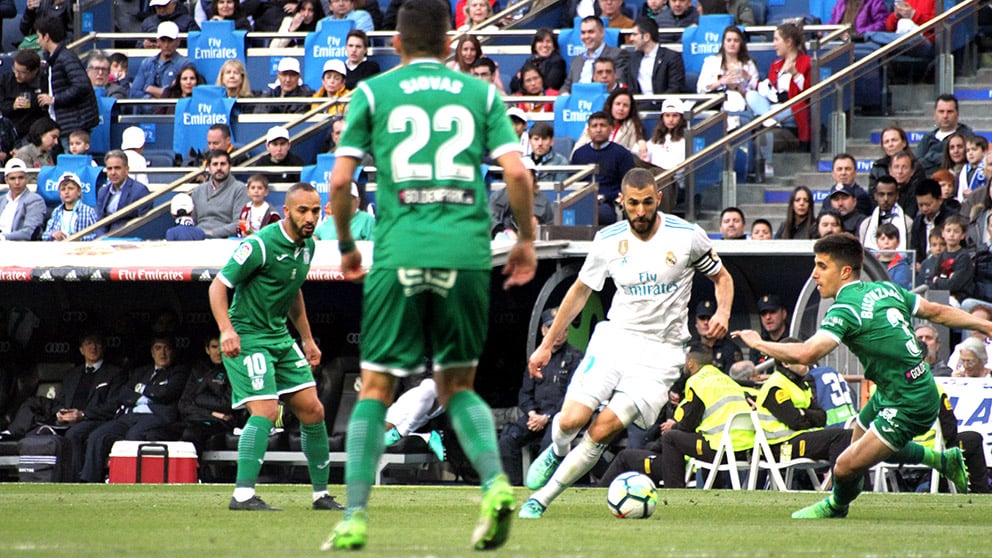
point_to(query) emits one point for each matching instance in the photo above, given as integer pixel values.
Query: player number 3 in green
(255, 364)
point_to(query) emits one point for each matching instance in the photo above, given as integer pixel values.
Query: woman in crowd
(358, 64)
(829, 222)
(187, 78)
(955, 154)
(730, 70)
(862, 15)
(533, 84)
(303, 20)
(544, 54)
(230, 10)
(461, 12)
(788, 76)
(468, 50)
(799, 222)
(667, 146)
(894, 140)
(627, 129)
(476, 11)
(972, 359)
(234, 78)
(43, 136)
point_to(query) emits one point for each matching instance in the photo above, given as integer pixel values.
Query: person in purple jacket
(864, 15)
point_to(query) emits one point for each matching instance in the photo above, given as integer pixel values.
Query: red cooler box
(153, 462)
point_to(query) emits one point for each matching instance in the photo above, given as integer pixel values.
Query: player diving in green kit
(428, 128)
(263, 361)
(873, 320)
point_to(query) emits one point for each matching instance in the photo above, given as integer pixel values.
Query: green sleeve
(247, 258)
(356, 139)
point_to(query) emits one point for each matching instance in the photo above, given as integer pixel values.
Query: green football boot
(351, 533)
(820, 510)
(494, 519)
(954, 470)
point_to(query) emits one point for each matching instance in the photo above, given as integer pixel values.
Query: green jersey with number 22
(429, 128)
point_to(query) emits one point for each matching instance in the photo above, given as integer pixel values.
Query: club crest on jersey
(622, 247)
(306, 256)
(292, 274)
(242, 253)
(670, 259)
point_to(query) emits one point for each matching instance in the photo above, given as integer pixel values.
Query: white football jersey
(653, 278)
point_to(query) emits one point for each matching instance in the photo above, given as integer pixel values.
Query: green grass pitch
(192, 521)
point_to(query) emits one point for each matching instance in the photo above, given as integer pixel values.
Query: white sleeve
(702, 257)
(708, 74)
(594, 270)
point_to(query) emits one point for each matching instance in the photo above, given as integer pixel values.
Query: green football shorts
(897, 425)
(412, 312)
(266, 369)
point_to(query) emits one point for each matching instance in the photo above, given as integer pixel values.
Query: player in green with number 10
(873, 320)
(428, 128)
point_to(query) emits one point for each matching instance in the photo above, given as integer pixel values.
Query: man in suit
(119, 192)
(148, 399)
(592, 33)
(22, 212)
(654, 69)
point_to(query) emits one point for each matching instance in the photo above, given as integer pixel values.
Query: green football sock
(473, 422)
(365, 446)
(914, 454)
(845, 491)
(313, 438)
(251, 450)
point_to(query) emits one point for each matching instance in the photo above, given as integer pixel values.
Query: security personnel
(789, 412)
(711, 398)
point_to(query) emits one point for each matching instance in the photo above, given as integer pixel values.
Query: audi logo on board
(57, 348)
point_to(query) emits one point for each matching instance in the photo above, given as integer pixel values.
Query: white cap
(288, 64)
(70, 176)
(514, 112)
(672, 105)
(14, 164)
(133, 138)
(167, 29)
(154, 3)
(181, 202)
(335, 65)
(276, 132)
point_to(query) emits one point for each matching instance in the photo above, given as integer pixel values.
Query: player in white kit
(634, 356)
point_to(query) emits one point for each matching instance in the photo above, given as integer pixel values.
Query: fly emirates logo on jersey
(648, 285)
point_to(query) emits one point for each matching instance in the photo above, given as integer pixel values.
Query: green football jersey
(873, 320)
(266, 271)
(428, 128)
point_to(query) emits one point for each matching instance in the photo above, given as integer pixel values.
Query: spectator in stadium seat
(979, 200)
(187, 78)
(475, 12)
(18, 94)
(887, 238)
(955, 156)
(844, 170)
(654, 69)
(894, 140)
(955, 269)
(277, 146)
(72, 215)
(181, 207)
(732, 224)
(539, 400)
(730, 70)
(932, 214)
(362, 222)
(908, 174)
(799, 217)
(148, 399)
(219, 200)
(69, 93)
(604, 71)
(98, 70)
(972, 176)
(167, 10)
(972, 359)
(666, 148)
(357, 63)
(928, 267)
(504, 223)
(862, 15)
(948, 189)
(930, 150)
(120, 191)
(906, 17)
(613, 162)
(533, 84)
(160, 71)
(889, 211)
(626, 127)
(842, 198)
(22, 212)
(828, 222)
(611, 10)
(234, 78)
(231, 10)
(927, 336)
(545, 56)
(35, 10)
(258, 212)
(288, 75)
(303, 20)
(542, 140)
(333, 86)
(42, 139)
(581, 68)
(461, 12)
(389, 18)
(468, 50)
(487, 70)
(345, 9)
(678, 13)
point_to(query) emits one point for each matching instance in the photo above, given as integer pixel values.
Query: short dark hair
(604, 60)
(116, 154)
(40, 127)
(542, 130)
(28, 58)
(700, 353)
(732, 209)
(904, 154)
(485, 61)
(95, 55)
(213, 154)
(844, 249)
(887, 230)
(53, 27)
(598, 115)
(224, 129)
(841, 156)
(360, 34)
(647, 25)
(928, 186)
(959, 220)
(594, 19)
(710, 7)
(637, 178)
(887, 179)
(300, 187)
(946, 97)
(761, 221)
(422, 26)
(118, 58)
(83, 135)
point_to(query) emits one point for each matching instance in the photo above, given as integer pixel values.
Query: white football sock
(577, 463)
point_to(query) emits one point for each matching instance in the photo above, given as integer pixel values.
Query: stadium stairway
(912, 109)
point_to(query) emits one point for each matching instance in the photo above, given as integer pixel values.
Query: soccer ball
(632, 495)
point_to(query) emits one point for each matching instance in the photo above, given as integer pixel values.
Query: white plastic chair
(884, 477)
(726, 459)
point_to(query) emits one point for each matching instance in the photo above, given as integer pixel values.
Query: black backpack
(45, 456)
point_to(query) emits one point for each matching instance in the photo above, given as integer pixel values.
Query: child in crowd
(257, 213)
(928, 267)
(79, 142)
(667, 146)
(182, 211)
(954, 272)
(133, 145)
(972, 175)
(118, 70)
(333, 86)
(761, 229)
(887, 240)
(72, 215)
(948, 189)
(518, 119)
